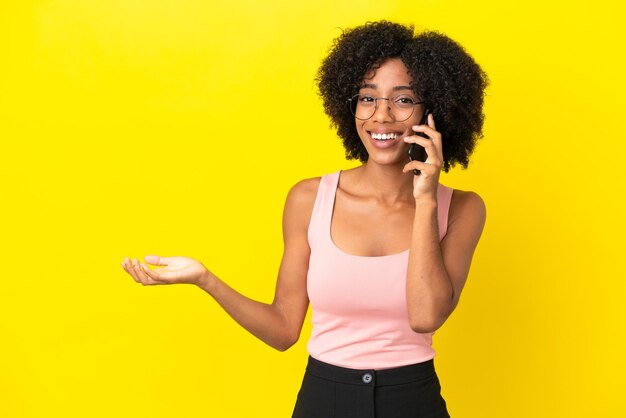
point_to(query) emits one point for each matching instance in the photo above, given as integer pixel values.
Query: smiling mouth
(383, 137)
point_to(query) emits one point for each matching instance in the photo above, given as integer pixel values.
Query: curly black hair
(444, 76)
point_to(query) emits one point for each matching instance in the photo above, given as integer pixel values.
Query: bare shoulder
(300, 201)
(303, 193)
(467, 208)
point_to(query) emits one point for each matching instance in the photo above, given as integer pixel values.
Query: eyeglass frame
(376, 99)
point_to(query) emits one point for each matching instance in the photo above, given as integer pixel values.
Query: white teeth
(384, 137)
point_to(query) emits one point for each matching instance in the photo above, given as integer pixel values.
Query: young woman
(381, 251)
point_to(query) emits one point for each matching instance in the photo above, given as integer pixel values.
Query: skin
(374, 205)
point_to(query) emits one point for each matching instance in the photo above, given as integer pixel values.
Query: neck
(386, 183)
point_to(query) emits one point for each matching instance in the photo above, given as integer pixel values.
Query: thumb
(156, 260)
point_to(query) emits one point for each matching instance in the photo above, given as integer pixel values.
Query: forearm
(430, 293)
(264, 321)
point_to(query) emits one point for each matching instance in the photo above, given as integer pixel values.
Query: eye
(405, 100)
(366, 99)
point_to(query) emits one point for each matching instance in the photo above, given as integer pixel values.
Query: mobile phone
(417, 152)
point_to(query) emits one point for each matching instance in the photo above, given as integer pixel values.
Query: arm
(437, 271)
(277, 324)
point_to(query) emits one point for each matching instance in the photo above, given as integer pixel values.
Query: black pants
(336, 392)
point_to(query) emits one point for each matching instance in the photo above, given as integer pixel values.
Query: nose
(382, 113)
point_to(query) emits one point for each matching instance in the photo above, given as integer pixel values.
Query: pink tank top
(359, 310)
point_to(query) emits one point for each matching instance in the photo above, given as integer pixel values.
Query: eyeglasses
(363, 106)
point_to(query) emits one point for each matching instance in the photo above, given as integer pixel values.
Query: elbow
(427, 321)
(424, 327)
(283, 346)
(426, 324)
(285, 343)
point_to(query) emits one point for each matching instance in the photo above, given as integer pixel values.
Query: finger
(438, 140)
(434, 135)
(134, 270)
(426, 169)
(127, 269)
(155, 275)
(131, 270)
(141, 275)
(427, 130)
(432, 153)
(416, 139)
(156, 260)
(431, 121)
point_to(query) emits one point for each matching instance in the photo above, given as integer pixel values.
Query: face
(383, 134)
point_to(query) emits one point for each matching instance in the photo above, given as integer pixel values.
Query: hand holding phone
(417, 152)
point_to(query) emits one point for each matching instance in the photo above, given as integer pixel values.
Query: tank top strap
(444, 197)
(323, 207)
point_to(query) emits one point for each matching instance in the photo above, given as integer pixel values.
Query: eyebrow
(374, 87)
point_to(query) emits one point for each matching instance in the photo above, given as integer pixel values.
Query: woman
(382, 251)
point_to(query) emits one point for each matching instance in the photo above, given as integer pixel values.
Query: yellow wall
(130, 127)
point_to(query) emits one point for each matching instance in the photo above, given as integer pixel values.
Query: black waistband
(386, 377)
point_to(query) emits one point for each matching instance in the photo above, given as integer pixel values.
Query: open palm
(171, 270)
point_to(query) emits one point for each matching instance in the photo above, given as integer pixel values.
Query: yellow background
(130, 127)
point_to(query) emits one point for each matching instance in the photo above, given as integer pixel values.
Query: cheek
(360, 129)
(408, 131)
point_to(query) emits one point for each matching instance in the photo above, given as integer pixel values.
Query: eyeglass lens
(401, 106)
